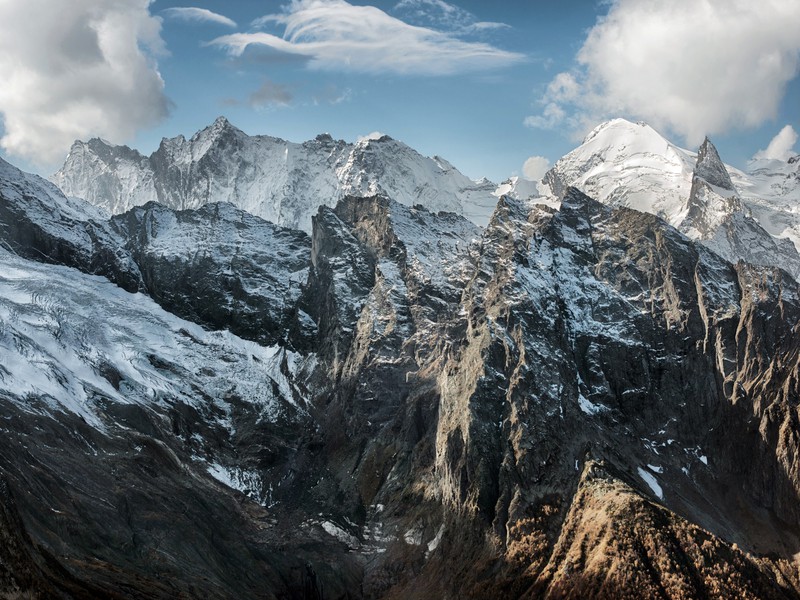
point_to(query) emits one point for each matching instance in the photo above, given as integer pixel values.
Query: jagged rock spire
(710, 167)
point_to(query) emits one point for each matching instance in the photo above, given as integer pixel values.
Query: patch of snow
(340, 534)
(413, 536)
(651, 482)
(589, 408)
(434, 543)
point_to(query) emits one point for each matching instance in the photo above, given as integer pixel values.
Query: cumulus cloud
(197, 15)
(77, 69)
(552, 116)
(695, 68)
(781, 147)
(535, 168)
(337, 36)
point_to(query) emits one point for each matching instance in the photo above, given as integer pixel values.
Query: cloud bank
(694, 67)
(334, 35)
(77, 69)
(197, 15)
(781, 147)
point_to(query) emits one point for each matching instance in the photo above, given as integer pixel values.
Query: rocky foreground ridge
(578, 402)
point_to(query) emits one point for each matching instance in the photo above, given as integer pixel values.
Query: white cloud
(337, 36)
(197, 15)
(439, 14)
(77, 69)
(375, 135)
(781, 147)
(552, 116)
(535, 168)
(695, 68)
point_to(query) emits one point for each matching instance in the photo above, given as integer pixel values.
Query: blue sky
(473, 119)
(484, 84)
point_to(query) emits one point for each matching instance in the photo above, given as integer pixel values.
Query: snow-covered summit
(627, 164)
(738, 215)
(280, 181)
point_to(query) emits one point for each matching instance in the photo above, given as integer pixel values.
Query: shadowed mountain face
(571, 403)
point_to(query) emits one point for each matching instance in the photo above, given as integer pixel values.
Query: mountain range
(276, 180)
(383, 391)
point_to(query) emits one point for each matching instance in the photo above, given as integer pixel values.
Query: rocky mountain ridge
(571, 402)
(279, 181)
(747, 216)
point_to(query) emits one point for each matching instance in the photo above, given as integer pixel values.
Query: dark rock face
(710, 166)
(579, 403)
(38, 222)
(588, 336)
(219, 266)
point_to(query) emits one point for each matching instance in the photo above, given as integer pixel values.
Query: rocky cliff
(579, 402)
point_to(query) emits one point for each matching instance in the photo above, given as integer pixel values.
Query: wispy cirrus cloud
(694, 68)
(197, 15)
(332, 94)
(335, 35)
(444, 16)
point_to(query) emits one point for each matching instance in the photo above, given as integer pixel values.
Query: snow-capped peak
(621, 163)
(280, 181)
(627, 164)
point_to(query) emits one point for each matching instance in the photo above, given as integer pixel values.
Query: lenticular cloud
(335, 35)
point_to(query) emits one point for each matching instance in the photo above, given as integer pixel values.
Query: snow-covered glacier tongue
(280, 181)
